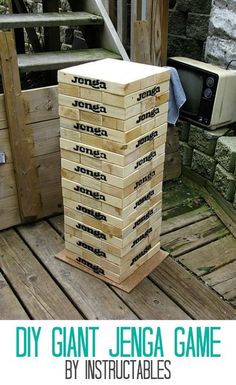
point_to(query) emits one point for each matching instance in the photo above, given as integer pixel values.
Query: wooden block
(108, 261)
(112, 111)
(140, 206)
(146, 142)
(107, 167)
(110, 122)
(105, 196)
(68, 120)
(130, 282)
(133, 181)
(104, 218)
(109, 228)
(98, 235)
(111, 157)
(115, 100)
(114, 76)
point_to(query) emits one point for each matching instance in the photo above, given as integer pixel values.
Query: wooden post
(122, 21)
(24, 167)
(149, 36)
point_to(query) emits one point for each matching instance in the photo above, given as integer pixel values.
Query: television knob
(210, 81)
(208, 93)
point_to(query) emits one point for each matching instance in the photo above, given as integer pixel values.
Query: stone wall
(188, 27)
(221, 42)
(212, 155)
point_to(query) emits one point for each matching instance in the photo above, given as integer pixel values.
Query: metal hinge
(2, 157)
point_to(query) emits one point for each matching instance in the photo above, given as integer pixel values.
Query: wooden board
(190, 293)
(130, 77)
(211, 257)
(69, 120)
(10, 307)
(223, 280)
(107, 193)
(25, 171)
(103, 109)
(145, 143)
(80, 150)
(129, 283)
(95, 299)
(110, 122)
(37, 290)
(113, 99)
(193, 236)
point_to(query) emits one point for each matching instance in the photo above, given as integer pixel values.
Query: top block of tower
(114, 76)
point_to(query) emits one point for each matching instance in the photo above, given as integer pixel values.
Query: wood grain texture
(37, 290)
(192, 295)
(193, 236)
(92, 296)
(25, 171)
(223, 280)
(210, 257)
(10, 307)
(150, 302)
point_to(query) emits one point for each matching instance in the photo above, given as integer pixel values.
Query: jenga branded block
(109, 228)
(133, 181)
(108, 167)
(146, 142)
(113, 200)
(104, 218)
(154, 92)
(108, 134)
(109, 121)
(114, 76)
(112, 111)
(113, 117)
(139, 206)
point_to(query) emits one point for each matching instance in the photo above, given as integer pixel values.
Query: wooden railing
(142, 26)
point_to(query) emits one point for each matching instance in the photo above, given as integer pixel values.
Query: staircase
(91, 18)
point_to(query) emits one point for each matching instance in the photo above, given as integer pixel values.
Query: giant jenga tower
(113, 117)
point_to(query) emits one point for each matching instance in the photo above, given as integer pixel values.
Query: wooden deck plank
(193, 236)
(211, 256)
(146, 300)
(92, 296)
(190, 293)
(37, 290)
(149, 302)
(10, 307)
(223, 280)
(177, 221)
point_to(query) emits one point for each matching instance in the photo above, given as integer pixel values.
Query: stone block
(183, 128)
(203, 140)
(220, 51)
(203, 164)
(225, 153)
(222, 24)
(183, 46)
(186, 153)
(177, 22)
(197, 26)
(225, 183)
(198, 6)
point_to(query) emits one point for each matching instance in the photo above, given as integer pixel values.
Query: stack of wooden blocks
(113, 117)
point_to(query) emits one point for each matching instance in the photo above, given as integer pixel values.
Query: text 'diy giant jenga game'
(113, 118)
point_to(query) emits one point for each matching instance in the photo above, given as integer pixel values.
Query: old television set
(210, 92)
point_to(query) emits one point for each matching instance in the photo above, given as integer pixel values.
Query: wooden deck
(197, 281)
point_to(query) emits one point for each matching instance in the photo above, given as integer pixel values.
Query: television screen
(192, 84)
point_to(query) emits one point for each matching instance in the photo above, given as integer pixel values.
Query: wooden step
(61, 59)
(26, 20)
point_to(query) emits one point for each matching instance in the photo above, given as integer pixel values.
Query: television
(210, 92)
